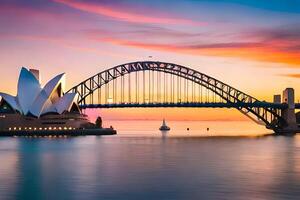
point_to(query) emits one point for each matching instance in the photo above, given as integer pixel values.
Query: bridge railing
(187, 104)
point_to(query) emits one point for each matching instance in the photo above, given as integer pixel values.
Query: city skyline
(251, 45)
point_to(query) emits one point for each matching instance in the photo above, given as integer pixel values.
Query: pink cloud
(31, 19)
(126, 15)
(29, 12)
(62, 42)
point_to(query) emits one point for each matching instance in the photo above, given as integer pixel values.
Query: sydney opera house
(37, 108)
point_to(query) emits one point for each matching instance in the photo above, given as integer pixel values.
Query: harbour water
(142, 163)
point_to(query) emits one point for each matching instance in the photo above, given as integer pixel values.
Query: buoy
(188, 129)
(207, 129)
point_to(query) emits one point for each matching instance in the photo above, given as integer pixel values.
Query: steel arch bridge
(160, 84)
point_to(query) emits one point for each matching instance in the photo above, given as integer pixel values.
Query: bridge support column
(288, 114)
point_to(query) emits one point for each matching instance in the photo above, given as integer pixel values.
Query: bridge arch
(262, 114)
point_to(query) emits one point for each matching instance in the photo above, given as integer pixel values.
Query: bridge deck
(191, 105)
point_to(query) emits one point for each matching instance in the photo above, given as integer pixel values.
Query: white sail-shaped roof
(11, 100)
(66, 102)
(42, 103)
(49, 107)
(54, 83)
(33, 100)
(28, 89)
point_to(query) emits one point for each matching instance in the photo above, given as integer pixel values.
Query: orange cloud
(291, 75)
(251, 51)
(125, 15)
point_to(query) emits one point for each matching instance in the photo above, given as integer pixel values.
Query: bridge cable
(116, 91)
(178, 89)
(152, 72)
(105, 93)
(173, 92)
(143, 86)
(108, 96)
(113, 92)
(149, 85)
(122, 88)
(136, 87)
(99, 90)
(164, 87)
(159, 86)
(193, 90)
(170, 79)
(157, 83)
(186, 90)
(129, 89)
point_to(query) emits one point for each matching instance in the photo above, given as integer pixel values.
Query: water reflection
(144, 167)
(8, 168)
(164, 134)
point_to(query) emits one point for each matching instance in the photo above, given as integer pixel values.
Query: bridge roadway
(190, 105)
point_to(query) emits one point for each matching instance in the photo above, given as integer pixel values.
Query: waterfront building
(37, 108)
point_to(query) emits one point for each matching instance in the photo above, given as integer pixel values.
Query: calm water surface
(142, 163)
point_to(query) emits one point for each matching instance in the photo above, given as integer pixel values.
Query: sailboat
(164, 126)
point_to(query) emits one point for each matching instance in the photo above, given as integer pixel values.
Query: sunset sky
(253, 45)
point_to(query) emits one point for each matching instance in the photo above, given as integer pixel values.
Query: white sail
(164, 123)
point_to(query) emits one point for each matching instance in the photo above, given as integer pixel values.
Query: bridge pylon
(288, 113)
